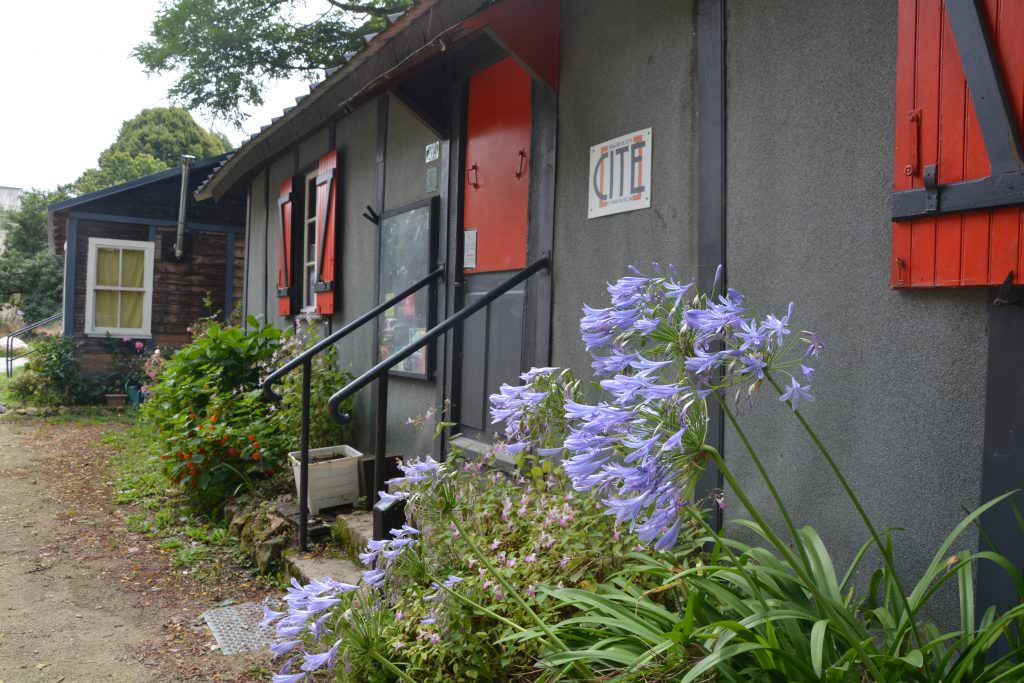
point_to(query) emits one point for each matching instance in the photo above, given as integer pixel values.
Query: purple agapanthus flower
(796, 392)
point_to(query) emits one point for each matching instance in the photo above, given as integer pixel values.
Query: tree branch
(359, 8)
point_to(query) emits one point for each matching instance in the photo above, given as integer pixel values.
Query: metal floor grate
(237, 628)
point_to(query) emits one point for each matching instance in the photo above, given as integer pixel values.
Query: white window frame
(95, 244)
(309, 220)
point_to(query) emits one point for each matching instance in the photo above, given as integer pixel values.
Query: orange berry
(256, 445)
(232, 451)
(252, 437)
(256, 456)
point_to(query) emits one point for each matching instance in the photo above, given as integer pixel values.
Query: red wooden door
(497, 175)
(496, 194)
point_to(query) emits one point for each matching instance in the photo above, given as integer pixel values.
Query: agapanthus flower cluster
(531, 412)
(659, 350)
(308, 607)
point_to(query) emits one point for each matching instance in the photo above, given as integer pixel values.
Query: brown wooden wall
(178, 288)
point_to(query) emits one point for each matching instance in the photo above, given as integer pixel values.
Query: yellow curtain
(133, 266)
(107, 267)
(131, 309)
(106, 308)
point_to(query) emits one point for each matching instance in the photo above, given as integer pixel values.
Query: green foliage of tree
(30, 277)
(117, 168)
(226, 51)
(27, 224)
(33, 282)
(150, 142)
(164, 133)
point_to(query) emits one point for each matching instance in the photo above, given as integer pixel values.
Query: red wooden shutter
(327, 175)
(284, 250)
(965, 235)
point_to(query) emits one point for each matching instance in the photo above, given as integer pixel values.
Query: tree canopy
(225, 52)
(151, 141)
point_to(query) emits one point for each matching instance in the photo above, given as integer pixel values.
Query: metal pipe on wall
(179, 242)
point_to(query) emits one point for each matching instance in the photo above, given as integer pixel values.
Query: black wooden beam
(711, 189)
(1003, 451)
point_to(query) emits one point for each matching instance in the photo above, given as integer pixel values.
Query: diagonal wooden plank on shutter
(327, 208)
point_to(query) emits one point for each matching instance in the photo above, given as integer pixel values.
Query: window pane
(311, 241)
(107, 267)
(106, 309)
(310, 283)
(131, 309)
(133, 266)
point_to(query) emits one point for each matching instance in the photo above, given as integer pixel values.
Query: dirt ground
(81, 598)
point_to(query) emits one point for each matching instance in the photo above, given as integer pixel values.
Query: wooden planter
(333, 476)
(116, 400)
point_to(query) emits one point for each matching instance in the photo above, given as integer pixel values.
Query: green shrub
(52, 375)
(216, 433)
(326, 379)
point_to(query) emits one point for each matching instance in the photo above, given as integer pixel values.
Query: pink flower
(563, 562)
(530, 558)
(139, 346)
(531, 591)
(126, 339)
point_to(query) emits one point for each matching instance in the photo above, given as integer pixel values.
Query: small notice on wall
(469, 250)
(620, 175)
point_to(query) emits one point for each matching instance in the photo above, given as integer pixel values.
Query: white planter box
(333, 476)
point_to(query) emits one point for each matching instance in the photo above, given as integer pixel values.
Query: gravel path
(81, 599)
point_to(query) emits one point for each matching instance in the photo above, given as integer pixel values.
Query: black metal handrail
(380, 371)
(9, 341)
(305, 359)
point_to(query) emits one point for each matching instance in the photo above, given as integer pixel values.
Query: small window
(119, 292)
(310, 253)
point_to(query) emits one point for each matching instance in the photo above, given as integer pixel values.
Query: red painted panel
(977, 247)
(497, 178)
(906, 154)
(922, 237)
(328, 171)
(529, 30)
(284, 250)
(952, 100)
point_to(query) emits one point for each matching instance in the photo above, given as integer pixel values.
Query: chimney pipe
(179, 243)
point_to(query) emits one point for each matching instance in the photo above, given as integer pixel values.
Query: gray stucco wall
(356, 137)
(405, 183)
(900, 388)
(611, 84)
(255, 295)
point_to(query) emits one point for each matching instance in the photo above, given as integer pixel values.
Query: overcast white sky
(67, 81)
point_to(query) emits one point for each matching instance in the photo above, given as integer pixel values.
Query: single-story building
(828, 153)
(122, 277)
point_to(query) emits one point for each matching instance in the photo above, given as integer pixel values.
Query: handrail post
(380, 455)
(307, 377)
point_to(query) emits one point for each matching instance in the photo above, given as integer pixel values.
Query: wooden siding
(178, 288)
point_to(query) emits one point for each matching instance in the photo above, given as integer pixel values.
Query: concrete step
(306, 568)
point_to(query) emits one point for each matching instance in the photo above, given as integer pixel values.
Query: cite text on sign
(620, 175)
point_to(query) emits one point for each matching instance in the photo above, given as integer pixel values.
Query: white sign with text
(620, 175)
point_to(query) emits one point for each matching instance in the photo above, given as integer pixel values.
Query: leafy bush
(326, 379)
(205, 406)
(52, 375)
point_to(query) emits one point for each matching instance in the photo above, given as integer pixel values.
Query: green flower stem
(840, 617)
(506, 585)
(485, 610)
(790, 525)
(391, 667)
(886, 554)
